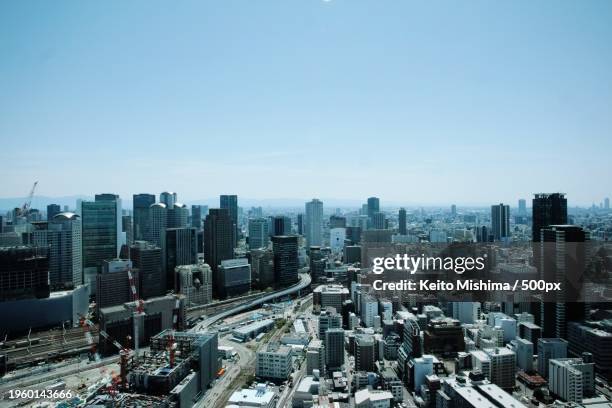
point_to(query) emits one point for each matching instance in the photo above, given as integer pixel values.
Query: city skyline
(417, 103)
(330, 203)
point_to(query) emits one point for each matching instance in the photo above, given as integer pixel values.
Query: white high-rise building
(274, 362)
(369, 309)
(571, 378)
(314, 223)
(336, 239)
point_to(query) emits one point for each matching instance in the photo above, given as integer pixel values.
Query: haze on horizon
(469, 103)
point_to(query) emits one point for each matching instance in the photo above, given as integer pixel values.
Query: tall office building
(329, 318)
(373, 207)
(24, 273)
(196, 216)
(550, 348)
(500, 221)
(563, 257)
(147, 258)
(230, 203)
(334, 349)
(262, 268)
(113, 283)
(314, 222)
(195, 283)
(127, 228)
(285, 249)
(168, 198)
(218, 239)
(178, 216)
(62, 236)
(52, 211)
(101, 225)
(140, 214)
(365, 352)
(547, 209)
(258, 233)
(234, 277)
(337, 221)
(607, 203)
(300, 224)
(379, 221)
(402, 221)
(453, 210)
(158, 222)
(522, 206)
(178, 248)
(280, 225)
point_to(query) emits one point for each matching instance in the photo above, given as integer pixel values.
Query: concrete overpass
(304, 282)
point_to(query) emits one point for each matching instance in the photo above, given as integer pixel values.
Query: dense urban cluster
(155, 303)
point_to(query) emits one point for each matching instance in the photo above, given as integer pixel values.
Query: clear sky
(418, 102)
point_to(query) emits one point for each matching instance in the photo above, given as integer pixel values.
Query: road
(303, 283)
(244, 361)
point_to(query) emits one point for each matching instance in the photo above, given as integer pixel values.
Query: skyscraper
(178, 215)
(147, 258)
(373, 207)
(168, 198)
(234, 277)
(562, 258)
(300, 224)
(258, 233)
(52, 211)
(62, 235)
(334, 348)
(314, 222)
(140, 214)
(522, 206)
(548, 209)
(157, 224)
(607, 203)
(101, 234)
(218, 239)
(285, 250)
(280, 225)
(127, 227)
(196, 216)
(230, 202)
(178, 248)
(24, 273)
(500, 221)
(113, 283)
(379, 221)
(402, 221)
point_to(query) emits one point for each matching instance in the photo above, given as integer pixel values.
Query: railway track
(52, 344)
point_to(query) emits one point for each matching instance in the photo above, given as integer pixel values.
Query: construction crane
(25, 207)
(124, 352)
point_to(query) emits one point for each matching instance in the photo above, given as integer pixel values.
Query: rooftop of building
(261, 395)
(260, 324)
(331, 289)
(364, 395)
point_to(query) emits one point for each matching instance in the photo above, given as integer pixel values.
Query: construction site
(175, 372)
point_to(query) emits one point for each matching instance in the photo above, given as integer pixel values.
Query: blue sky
(418, 102)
